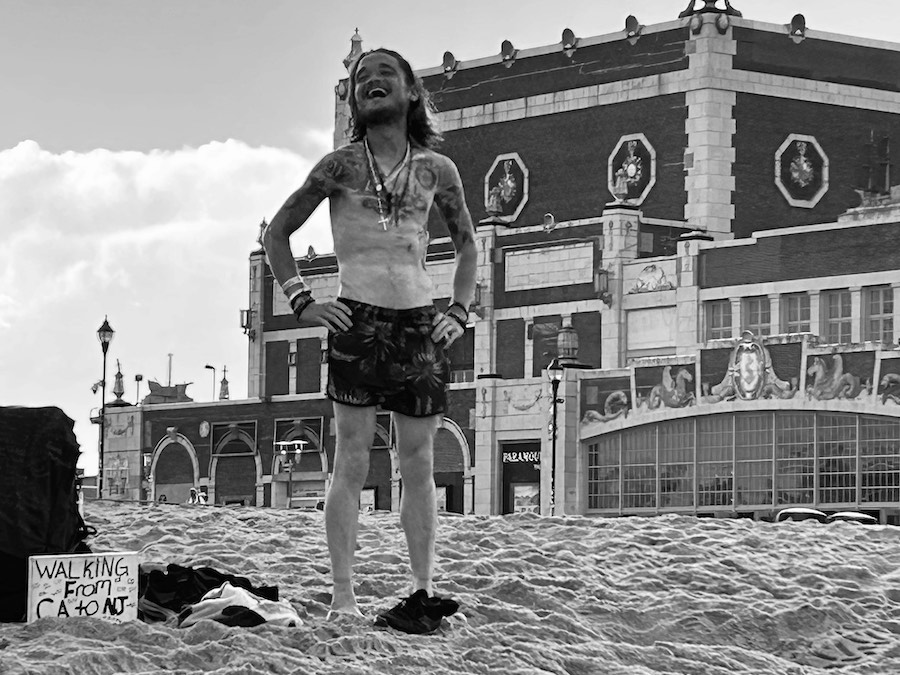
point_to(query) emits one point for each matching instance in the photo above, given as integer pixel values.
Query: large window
(715, 460)
(879, 459)
(836, 437)
(676, 463)
(879, 313)
(639, 468)
(795, 469)
(836, 316)
(718, 319)
(753, 458)
(756, 315)
(726, 460)
(795, 313)
(603, 473)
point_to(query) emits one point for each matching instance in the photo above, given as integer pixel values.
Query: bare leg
(418, 506)
(355, 429)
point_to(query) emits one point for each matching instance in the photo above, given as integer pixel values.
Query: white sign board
(102, 585)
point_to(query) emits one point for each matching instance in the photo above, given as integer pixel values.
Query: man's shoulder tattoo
(343, 169)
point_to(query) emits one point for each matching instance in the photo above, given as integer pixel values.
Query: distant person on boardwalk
(386, 340)
(196, 497)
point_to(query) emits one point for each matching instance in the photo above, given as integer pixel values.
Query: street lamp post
(555, 373)
(288, 457)
(212, 368)
(104, 335)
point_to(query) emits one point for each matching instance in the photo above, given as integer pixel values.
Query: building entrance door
(521, 476)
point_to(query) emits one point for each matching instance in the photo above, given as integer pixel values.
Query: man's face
(382, 92)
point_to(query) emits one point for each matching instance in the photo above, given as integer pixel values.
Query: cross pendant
(384, 222)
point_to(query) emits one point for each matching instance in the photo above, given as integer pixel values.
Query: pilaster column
(620, 243)
(487, 487)
(815, 316)
(735, 317)
(710, 126)
(856, 314)
(774, 314)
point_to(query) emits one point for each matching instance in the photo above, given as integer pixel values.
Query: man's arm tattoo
(452, 205)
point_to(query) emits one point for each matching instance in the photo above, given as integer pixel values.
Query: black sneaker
(417, 614)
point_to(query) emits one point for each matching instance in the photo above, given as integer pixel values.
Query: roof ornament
(355, 50)
(569, 42)
(449, 65)
(709, 6)
(508, 53)
(633, 29)
(797, 28)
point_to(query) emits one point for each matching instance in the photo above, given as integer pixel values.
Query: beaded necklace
(386, 207)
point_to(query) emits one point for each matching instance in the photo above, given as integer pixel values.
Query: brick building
(696, 216)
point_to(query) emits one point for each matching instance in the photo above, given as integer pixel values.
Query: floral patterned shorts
(388, 358)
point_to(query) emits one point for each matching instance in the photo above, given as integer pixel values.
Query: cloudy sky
(141, 142)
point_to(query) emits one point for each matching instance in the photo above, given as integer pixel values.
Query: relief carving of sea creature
(616, 405)
(828, 383)
(890, 388)
(672, 392)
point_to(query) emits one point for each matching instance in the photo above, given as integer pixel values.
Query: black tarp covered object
(38, 497)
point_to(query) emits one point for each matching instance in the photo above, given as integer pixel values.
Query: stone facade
(700, 117)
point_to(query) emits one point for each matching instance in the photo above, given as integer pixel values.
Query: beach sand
(566, 595)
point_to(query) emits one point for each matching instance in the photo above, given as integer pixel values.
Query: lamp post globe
(105, 335)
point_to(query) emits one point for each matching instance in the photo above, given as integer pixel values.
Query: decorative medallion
(750, 375)
(506, 188)
(631, 169)
(801, 171)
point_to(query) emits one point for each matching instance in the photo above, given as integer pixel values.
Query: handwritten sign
(102, 585)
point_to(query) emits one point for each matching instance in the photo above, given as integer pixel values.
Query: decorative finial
(355, 50)
(223, 389)
(119, 386)
(709, 6)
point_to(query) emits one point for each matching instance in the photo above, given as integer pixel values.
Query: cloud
(158, 241)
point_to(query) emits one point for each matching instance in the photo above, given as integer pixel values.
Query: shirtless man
(387, 341)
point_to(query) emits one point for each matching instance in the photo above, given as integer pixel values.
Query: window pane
(718, 319)
(837, 457)
(796, 313)
(603, 473)
(794, 453)
(879, 449)
(639, 468)
(676, 463)
(880, 312)
(715, 443)
(753, 456)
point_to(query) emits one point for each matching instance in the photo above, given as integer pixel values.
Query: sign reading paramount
(521, 457)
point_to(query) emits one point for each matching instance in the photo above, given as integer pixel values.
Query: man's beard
(379, 116)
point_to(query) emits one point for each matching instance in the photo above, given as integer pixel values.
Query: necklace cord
(382, 194)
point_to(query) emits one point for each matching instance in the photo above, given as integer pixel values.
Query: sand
(566, 595)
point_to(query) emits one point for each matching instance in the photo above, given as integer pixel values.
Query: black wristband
(461, 306)
(301, 302)
(461, 322)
